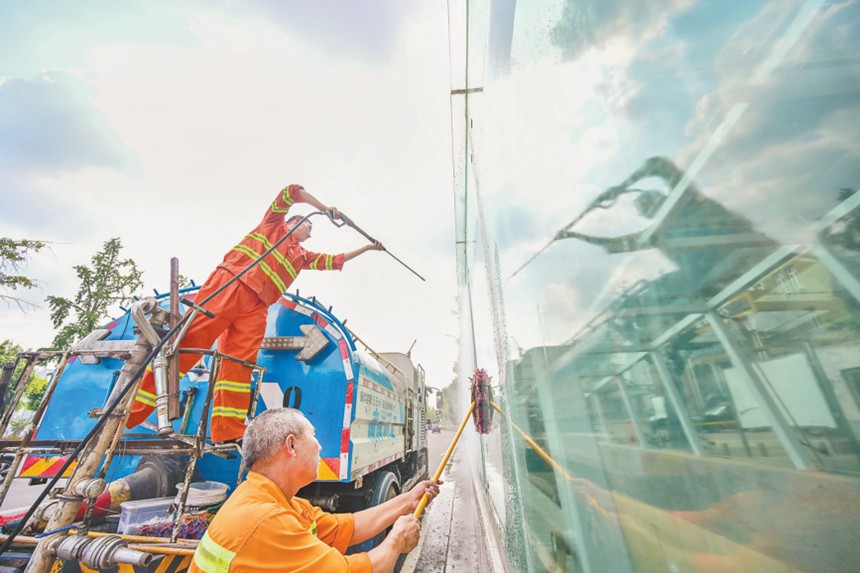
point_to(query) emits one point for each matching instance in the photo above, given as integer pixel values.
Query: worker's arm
(323, 262)
(402, 539)
(375, 246)
(317, 204)
(368, 522)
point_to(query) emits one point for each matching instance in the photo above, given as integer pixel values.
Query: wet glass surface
(659, 240)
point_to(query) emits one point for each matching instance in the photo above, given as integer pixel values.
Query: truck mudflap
(329, 469)
(44, 467)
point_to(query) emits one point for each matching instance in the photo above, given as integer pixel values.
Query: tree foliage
(451, 410)
(14, 255)
(35, 384)
(108, 282)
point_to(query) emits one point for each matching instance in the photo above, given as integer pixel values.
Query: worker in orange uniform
(264, 527)
(241, 309)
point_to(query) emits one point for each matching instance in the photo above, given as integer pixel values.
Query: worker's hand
(415, 494)
(405, 533)
(333, 213)
(563, 234)
(375, 246)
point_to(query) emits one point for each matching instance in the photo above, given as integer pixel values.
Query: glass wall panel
(800, 330)
(659, 205)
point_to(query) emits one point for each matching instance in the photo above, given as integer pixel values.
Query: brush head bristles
(481, 396)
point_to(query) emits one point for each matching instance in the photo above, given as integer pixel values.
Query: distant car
(434, 428)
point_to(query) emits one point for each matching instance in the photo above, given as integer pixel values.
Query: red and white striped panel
(367, 383)
(379, 463)
(347, 369)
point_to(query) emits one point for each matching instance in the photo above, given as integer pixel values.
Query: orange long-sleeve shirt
(275, 273)
(259, 529)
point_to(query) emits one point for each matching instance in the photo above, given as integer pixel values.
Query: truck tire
(385, 486)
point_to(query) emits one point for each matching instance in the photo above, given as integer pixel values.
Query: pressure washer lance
(347, 221)
(482, 415)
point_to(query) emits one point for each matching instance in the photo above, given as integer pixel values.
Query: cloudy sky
(752, 98)
(172, 125)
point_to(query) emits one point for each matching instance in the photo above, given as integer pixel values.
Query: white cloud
(219, 125)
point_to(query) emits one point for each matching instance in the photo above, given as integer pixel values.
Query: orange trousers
(239, 326)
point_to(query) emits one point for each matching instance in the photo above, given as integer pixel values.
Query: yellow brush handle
(423, 503)
(540, 451)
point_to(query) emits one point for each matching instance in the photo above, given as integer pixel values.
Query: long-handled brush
(481, 410)
(482, 414)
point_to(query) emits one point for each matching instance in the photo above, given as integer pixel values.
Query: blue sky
(173, 124)
(753, 99)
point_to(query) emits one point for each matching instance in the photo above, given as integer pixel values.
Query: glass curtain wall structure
(658, 228)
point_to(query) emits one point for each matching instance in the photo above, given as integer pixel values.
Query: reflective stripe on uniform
(211, 557)
(328, 262)
(313, 528)
(287, 198)
(244, 249)
(280, 258)
(151, 371)
(227, 386)
(227, 412)
(145, 397)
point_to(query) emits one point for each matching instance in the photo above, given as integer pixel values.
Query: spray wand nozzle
(350, 223)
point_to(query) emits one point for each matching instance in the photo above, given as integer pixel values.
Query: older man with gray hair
(264, 527)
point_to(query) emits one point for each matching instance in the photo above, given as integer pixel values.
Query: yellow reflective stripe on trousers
(145, 397)
(266, 268)
(313, 528)
(233, 387)
(211, 557)
(267, 245)
(227, 412)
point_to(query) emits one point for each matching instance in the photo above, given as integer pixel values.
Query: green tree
(14, 254)
(451, 410)
(108, 282)
(35, 384)
(8, 351)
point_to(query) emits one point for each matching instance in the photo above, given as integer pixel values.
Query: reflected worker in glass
(695, 231)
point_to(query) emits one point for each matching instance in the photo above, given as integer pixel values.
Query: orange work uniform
(259, 529)
(240, 314)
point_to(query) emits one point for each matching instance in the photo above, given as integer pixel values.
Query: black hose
(106, 413)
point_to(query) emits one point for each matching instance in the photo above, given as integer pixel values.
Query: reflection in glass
(669, 232)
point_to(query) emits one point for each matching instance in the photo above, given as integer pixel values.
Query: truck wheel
(386, 487)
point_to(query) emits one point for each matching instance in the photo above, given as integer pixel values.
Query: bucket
(202, 494)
